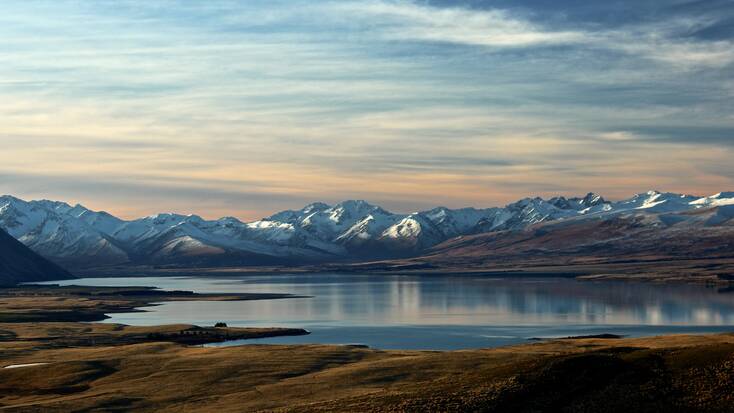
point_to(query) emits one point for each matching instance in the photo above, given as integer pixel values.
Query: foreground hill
(19, 264)
(670, 374)
(647, 223)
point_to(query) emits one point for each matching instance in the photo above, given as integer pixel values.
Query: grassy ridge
(675, 373)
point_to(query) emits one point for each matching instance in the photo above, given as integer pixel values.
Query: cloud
(709, 134)
(132, 197)
(498, 28)
(663, 43)
(412, 21)
(267, 105)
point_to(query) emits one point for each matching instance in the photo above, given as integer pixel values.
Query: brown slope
(19, 264)
(637, 236)
(658, 374)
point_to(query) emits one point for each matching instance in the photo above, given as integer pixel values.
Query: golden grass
(676, 372)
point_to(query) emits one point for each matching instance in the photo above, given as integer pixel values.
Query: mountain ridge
(350, 230)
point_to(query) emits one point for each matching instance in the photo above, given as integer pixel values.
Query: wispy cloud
(413, 21)
(498, 28)
(270, 103)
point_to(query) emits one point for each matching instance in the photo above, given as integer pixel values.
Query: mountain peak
(10, 198)
(164, 217)
(720, 199)
(354, 203)
(229, 219)
(525, 202)
(357, 206)
(315, 206)
(592, 199)
(560, 202)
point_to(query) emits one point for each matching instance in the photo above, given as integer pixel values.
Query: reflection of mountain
(20, 264)
(359, 301)
(529, 301)
(652, 224)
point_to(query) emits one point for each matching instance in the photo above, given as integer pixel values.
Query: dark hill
(19, 264)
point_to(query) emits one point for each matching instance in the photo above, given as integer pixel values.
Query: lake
(437, 312)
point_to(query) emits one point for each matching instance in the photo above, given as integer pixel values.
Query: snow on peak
(592, 199)
(163, 216)
(316, 206)
(57, 230)
(297, 216)
(356, 207)
(408, 227)
(720, 199)
(655, 201)
(229, 221)
(370, 227)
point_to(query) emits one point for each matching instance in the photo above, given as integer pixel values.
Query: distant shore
(718, 271)
(40, 307)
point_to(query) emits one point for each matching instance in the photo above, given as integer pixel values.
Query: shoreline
(719, 271)
(62, 366)
(34, 302)
(37, 308)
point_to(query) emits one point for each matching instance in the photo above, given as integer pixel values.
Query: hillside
(670, 373)
(19, 264)
(696, 234)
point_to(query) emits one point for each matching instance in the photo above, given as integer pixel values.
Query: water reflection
(407, 310)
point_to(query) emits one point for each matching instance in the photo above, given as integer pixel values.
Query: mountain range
(76, 237)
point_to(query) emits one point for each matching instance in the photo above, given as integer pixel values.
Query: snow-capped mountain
(632, 232)
(58, 231)
(654, 201)
(75, 235)
(720, 199)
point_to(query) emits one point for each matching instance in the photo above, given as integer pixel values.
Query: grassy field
(674, 373)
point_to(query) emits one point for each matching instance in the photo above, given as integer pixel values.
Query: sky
(245, 108)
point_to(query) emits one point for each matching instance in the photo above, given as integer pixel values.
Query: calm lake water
(400, 312)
